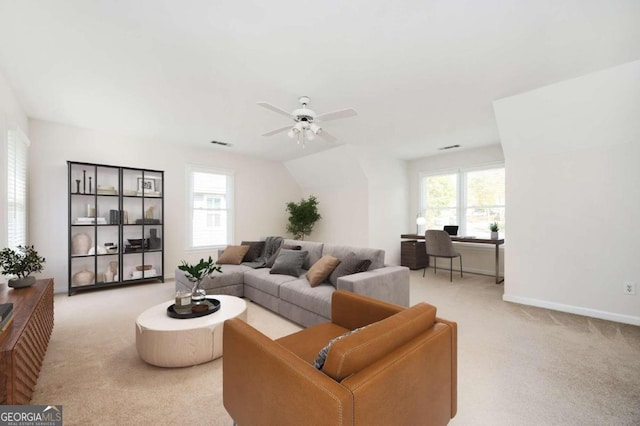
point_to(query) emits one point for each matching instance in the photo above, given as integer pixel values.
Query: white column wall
(572, 151)
(261, 189)
(388, 199)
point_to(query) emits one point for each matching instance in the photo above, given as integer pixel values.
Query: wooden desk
(24, 343)
(496, 243)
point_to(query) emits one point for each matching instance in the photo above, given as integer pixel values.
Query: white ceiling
(421, 73)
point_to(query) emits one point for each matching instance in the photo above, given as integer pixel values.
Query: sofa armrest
(265, 384)
(454, 363)
(422, 376)
(390, 284)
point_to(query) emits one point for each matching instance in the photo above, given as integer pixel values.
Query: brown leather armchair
(401, 369)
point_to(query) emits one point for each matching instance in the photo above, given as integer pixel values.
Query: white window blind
(17, 188)
(210, 207)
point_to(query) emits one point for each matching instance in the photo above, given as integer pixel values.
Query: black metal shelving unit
(114, 206)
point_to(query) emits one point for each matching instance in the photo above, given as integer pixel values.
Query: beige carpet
(518, 365)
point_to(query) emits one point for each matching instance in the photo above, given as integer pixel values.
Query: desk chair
(438, 244)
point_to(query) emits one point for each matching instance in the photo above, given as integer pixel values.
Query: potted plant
(494, 230)
(196, 273)
(21, 263)
(302, 217)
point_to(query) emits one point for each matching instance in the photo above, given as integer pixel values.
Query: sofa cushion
(353, 353)
(313, 248)
(321, 270)
(261, 279)
(289, 262)
(232, 255)
(313, 299)
(274, 256)
(349, 264)
(375, 255)
(256, 248)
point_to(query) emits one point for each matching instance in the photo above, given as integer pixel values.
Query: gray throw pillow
(322, 355)
(350, 264)
(273, 258)
(254, 252)
(289, 262)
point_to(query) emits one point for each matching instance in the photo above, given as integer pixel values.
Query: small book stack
(6, 316)
(90, 221)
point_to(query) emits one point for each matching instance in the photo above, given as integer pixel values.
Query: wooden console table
(496, 242)
(24, 343)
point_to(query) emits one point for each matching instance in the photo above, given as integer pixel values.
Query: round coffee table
(171, 342)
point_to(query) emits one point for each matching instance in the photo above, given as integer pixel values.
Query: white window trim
(460, 172)
(191, 168)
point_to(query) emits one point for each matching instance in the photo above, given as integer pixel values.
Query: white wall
(572, 151)
(388, 199)
(11, 117)
(261, 189)
(477, 258)
(362, 197)
(337, 180)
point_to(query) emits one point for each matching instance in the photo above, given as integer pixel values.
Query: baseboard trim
(578, 310)
(465, 270)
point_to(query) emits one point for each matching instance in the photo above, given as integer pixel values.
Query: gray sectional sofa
(293, 297)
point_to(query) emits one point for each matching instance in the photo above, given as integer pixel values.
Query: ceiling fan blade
(344, 113)
(275, 109)
(281, 129)
(327, 136)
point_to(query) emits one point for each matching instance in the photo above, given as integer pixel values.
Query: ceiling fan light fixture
(315, 128)
(295, 130)
(305, 129)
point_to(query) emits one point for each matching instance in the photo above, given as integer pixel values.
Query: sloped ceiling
(421, 74)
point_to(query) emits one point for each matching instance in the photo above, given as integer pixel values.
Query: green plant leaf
(22, 262)
(197, 272)
(302, 217)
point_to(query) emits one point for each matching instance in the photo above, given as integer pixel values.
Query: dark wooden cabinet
(24, 343)
(413, 254)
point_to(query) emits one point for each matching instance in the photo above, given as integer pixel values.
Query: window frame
(461, 182)
(190, 169)
(16, 137)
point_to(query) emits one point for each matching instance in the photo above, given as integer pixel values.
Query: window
(210, 207)
(469, 198)
(17, 174)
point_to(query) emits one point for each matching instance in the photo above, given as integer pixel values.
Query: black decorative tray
(214, 305)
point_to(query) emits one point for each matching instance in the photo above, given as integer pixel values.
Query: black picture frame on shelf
(146, 185)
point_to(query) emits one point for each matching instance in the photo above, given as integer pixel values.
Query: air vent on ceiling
(221, 143)
(448, 147)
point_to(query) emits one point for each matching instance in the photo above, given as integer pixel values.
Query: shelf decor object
(113, 227)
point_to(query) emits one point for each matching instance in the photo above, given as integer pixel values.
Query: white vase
(80, 244)
(494, 235)
(83, 277)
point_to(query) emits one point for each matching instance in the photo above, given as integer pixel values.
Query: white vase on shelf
(80, 243)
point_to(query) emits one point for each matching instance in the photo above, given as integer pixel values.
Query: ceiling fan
(306, 126)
